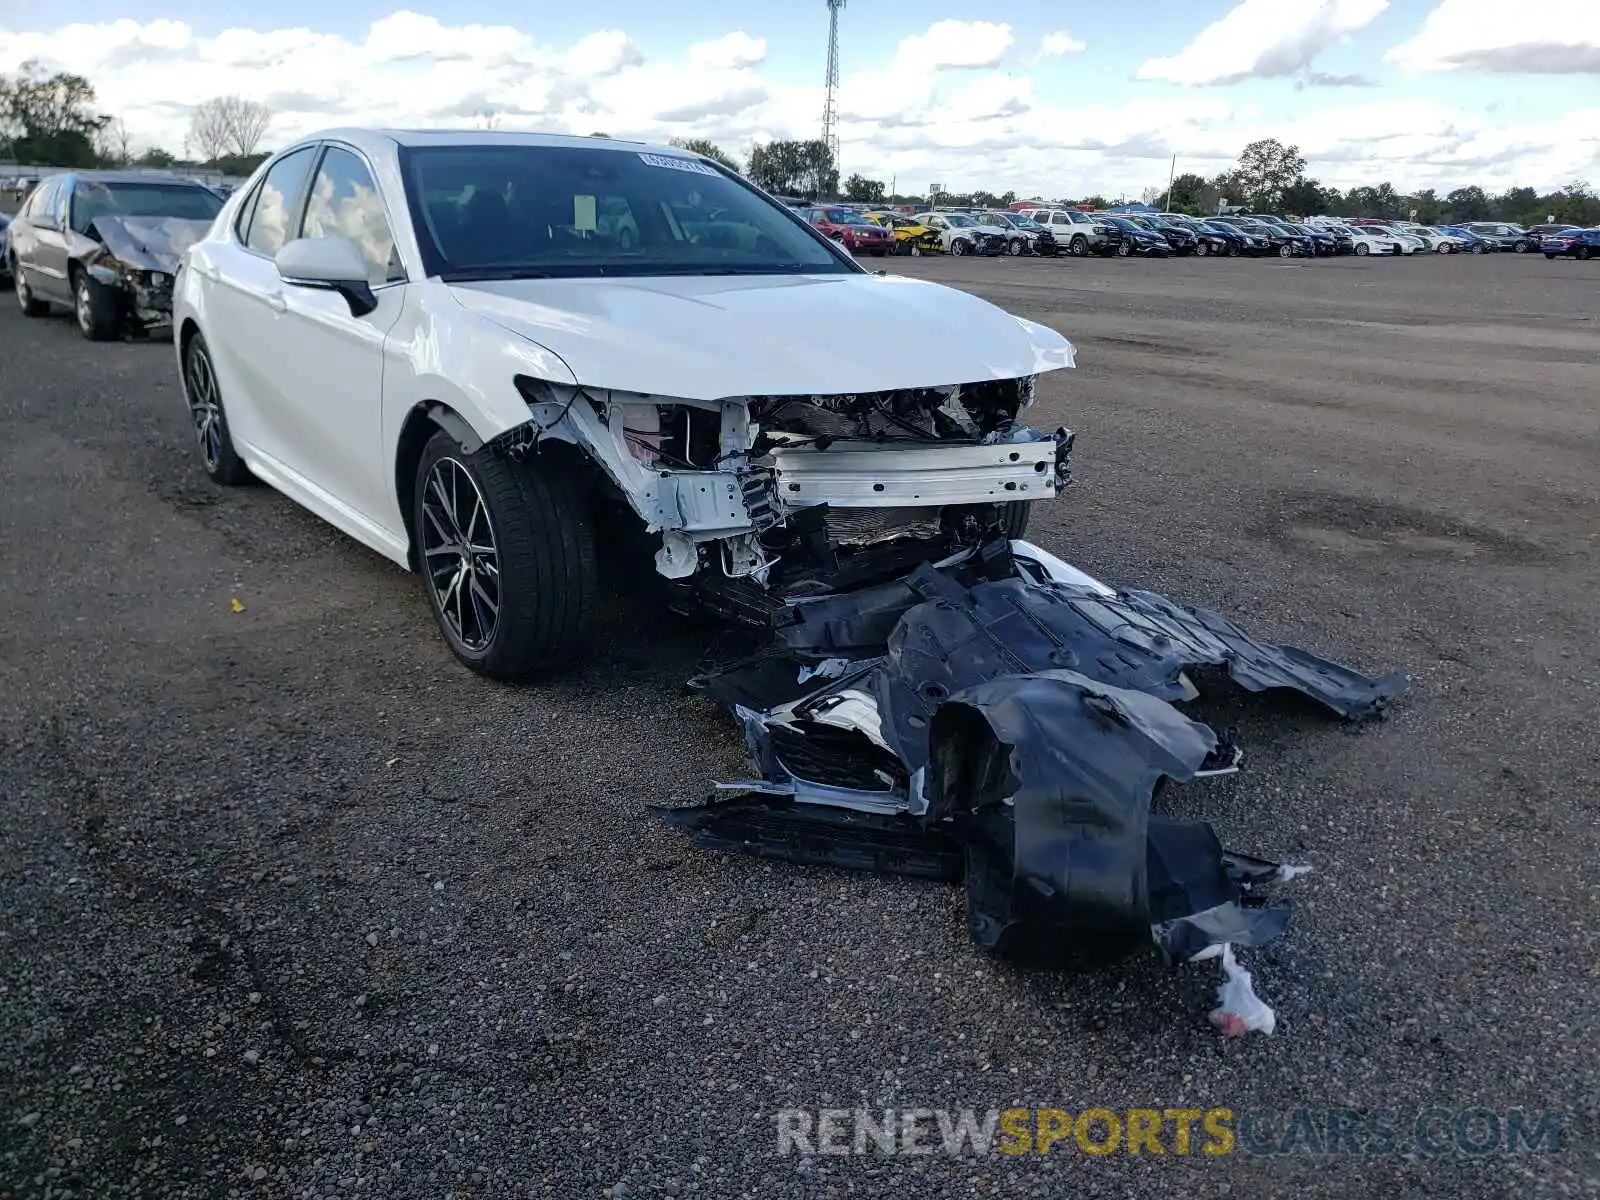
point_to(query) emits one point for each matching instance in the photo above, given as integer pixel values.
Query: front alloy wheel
(462, 558)
(507, 553)
(1201, 249)
(958, 247)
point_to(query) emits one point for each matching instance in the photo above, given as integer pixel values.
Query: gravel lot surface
(295, 906)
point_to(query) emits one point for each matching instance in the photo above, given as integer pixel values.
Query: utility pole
(1166, 201)
(830, 110)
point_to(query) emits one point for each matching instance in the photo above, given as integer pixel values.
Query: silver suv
(1075, 232)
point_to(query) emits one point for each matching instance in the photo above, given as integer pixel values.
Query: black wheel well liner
(421, 423)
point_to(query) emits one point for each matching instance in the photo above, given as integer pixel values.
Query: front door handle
(277, 302)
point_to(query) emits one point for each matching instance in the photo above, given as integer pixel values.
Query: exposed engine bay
(766, 499)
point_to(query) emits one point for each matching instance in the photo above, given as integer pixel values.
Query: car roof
(383, 139)
(162, 177)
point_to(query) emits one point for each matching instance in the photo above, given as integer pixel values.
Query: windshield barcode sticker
(673, 163)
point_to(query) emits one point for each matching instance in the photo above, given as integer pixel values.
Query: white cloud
(948, 104)
(1264, 39)
(603, 53)
(1561, 37)
(732, 51)
(955, 44)
(1054, 45)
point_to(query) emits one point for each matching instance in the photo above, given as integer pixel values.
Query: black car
(1503, 236)
(1219, 241)
(1136, 239)
(1238, 241)
(1181, 239)
(1285, 243)
(1323, 242)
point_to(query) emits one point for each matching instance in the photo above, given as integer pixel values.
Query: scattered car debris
(1003, 718)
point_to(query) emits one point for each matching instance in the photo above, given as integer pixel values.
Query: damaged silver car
(107, 245)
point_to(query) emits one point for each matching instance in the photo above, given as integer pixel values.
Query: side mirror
(331, 264)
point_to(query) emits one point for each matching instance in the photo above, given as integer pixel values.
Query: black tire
(1521, 247)
(30, 304)
(204, 394)
(543, 537)
(958, 247)
(1479, 249)
(1286, 251)
(1363, 249)
(1123, 249)
(1014, 516)
(1584, 254)
(1201, 249)
(95, 308)
(1551, 257)
(1079, 246)
(1016, 247)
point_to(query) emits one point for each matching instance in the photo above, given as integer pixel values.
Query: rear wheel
(1521, 247)
(30, 304)
(1584, 254)
(507, 555)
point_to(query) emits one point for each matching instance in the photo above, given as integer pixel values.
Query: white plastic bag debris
(1239, 1010)
(1290, 871)
(828, 668)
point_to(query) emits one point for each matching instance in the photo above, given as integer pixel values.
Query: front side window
(93, 199)
(506, 212)
(276, 201)
(344, 202)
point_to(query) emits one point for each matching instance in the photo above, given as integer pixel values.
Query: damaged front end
(136, 259)
(1003, 718)
(760, 501)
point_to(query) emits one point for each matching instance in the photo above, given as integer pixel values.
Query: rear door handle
(277, 303)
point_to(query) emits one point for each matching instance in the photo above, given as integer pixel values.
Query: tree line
(53, 120)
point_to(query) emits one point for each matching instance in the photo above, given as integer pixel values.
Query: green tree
(50, 120)
(155, 157)
(1192, 193)
(792, 166)
(709, 149)
(1466, 204)
(1265, 171)
(1576, 203)
(1425, 204)
(1305, 198)
(860, 188)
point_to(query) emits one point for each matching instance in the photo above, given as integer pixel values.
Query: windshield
(960, 220)
(1024, 222)
(846, 216)
(510, 212)
(1121, 223)
(1002, 219)
(92, 199)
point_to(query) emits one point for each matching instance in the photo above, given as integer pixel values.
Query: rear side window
(274, 208)
(344, 202)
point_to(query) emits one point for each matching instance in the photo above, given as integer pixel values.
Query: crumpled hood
(713, 337)
(149, 243)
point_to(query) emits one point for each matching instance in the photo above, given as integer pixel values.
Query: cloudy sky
(1059, 98)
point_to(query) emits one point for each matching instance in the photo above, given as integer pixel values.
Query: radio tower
(830, 110)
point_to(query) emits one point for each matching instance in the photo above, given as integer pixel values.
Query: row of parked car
(1067, 231)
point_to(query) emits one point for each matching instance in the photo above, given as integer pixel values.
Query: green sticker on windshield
(583, 214)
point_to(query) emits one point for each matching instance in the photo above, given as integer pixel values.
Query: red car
(851, 230)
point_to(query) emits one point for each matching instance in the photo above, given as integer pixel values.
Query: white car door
(328, 359)
(238, 278)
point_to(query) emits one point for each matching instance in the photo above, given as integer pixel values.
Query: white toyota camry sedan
(469, 350)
